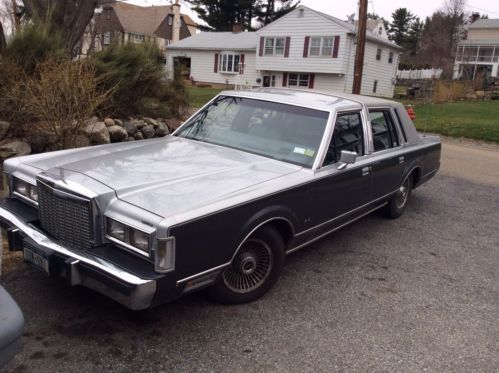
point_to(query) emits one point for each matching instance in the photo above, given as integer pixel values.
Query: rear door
(388, 162)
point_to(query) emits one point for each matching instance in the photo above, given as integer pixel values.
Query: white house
(305, 48)
(216, 57)
(479, 53)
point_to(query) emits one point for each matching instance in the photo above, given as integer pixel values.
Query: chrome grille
(68, 220)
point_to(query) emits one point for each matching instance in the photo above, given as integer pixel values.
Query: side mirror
(346, 158)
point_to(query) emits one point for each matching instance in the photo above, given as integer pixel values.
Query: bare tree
(69, 17)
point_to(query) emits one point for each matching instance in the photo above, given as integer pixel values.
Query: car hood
(169, 175)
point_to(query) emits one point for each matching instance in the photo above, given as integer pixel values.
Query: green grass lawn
(472, 119)
(200, 96)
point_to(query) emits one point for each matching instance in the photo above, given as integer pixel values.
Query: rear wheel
(398, 202)
(254, 270)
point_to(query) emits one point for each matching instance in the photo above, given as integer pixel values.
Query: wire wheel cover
(251, 267)
(402, 194)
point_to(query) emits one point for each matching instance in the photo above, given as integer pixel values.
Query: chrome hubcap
(250, 268)
(402, 194)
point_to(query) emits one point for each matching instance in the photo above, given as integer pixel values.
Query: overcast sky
(342, 8)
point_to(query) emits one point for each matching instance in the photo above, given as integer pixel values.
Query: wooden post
(361, 44)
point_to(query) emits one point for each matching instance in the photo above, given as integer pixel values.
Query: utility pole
(361, 44)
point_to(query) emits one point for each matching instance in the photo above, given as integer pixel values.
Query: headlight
(25, 189)
(116, 229)
(132, 237)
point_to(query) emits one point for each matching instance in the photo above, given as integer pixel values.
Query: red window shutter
(241, 59)
(215, 65)
(286, 46)
(305, 46)
(311, 78)
(262, 40)
(336, 45)
(285, 79)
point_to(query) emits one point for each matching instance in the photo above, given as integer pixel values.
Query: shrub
(61, 96)
(449, 91)
(137, 72)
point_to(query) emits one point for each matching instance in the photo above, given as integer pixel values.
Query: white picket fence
(419, 74)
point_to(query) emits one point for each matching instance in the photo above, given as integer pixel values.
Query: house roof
(144, 19)
(352, 29)
(485, 23)
(218, 41)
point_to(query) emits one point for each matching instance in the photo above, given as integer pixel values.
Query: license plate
(36, 260)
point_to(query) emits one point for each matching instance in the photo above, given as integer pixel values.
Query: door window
(347, 135)
(383, 129)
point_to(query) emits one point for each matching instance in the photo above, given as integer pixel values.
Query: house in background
(307, 48)
(216, 57)
(120, 22)
(303, 49)
(479, 53)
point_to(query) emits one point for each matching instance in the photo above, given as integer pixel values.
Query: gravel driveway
(420, 293)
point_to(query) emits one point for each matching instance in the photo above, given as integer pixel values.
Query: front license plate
(36, 260)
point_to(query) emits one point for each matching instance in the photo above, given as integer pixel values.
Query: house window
(390, 57)
(380, 30)
(321, 46)
(170, 20)
(378, 54)
(274, 46)
(298, 80)
(136, 38)
(375, 86)
(229, 62)
(107, 38)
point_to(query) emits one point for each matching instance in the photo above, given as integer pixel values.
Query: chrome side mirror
(346, 158)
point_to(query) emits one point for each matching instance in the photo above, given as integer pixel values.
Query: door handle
(366, 170)
(401, 159)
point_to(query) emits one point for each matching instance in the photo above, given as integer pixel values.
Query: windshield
(279, 131)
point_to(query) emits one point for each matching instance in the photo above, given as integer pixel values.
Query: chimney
(176, 22)
(237, 27)
(475, 16)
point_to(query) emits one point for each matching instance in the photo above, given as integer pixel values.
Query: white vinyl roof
(218, 41)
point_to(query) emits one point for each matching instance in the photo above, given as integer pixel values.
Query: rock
(173, 124)
(139, 123)
(118, 122)
(14, 148)
(138, 136)
(92, 120)
(130, 138)
(131, 127)
(41, 141)
(148, 131)
(109, 122)
(162, 130)
(152, 122)
(98, 133)
(117, 133)
(4, 128)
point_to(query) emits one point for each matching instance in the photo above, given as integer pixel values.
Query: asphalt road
(420, 293)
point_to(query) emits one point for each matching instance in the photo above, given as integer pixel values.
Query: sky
(342, 8)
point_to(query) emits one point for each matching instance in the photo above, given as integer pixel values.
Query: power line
(483, 10)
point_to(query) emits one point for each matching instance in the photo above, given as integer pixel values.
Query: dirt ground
(414, 294)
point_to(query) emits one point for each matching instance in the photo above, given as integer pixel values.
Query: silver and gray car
(249, 178)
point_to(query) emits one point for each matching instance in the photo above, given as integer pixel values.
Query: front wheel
(398, 202)
(254, 270)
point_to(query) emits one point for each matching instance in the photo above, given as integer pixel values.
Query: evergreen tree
(413, 36)
(399, 27)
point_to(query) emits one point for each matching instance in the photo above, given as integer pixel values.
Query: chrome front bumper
(83, 268)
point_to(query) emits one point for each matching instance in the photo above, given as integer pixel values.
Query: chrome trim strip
(203, 273)
(128, 247)
(345, 213)
(334, 229)
(44, 241)
(25, 199)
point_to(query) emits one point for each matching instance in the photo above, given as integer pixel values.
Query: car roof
(314, 99)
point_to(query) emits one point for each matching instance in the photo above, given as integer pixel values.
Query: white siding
(381, 70)
(202, 67)
(483, 34)
(297, 28)
(329, 83)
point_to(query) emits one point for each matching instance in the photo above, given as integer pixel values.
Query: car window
(384, 132)
(280, 131)
(347, 135)
(401, 126)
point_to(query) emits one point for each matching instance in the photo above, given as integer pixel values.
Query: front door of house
(268, 81)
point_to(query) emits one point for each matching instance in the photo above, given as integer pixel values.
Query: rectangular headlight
(139, 239)
(25, 189)
(131, 237)
(116, 229)
(164, 259)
